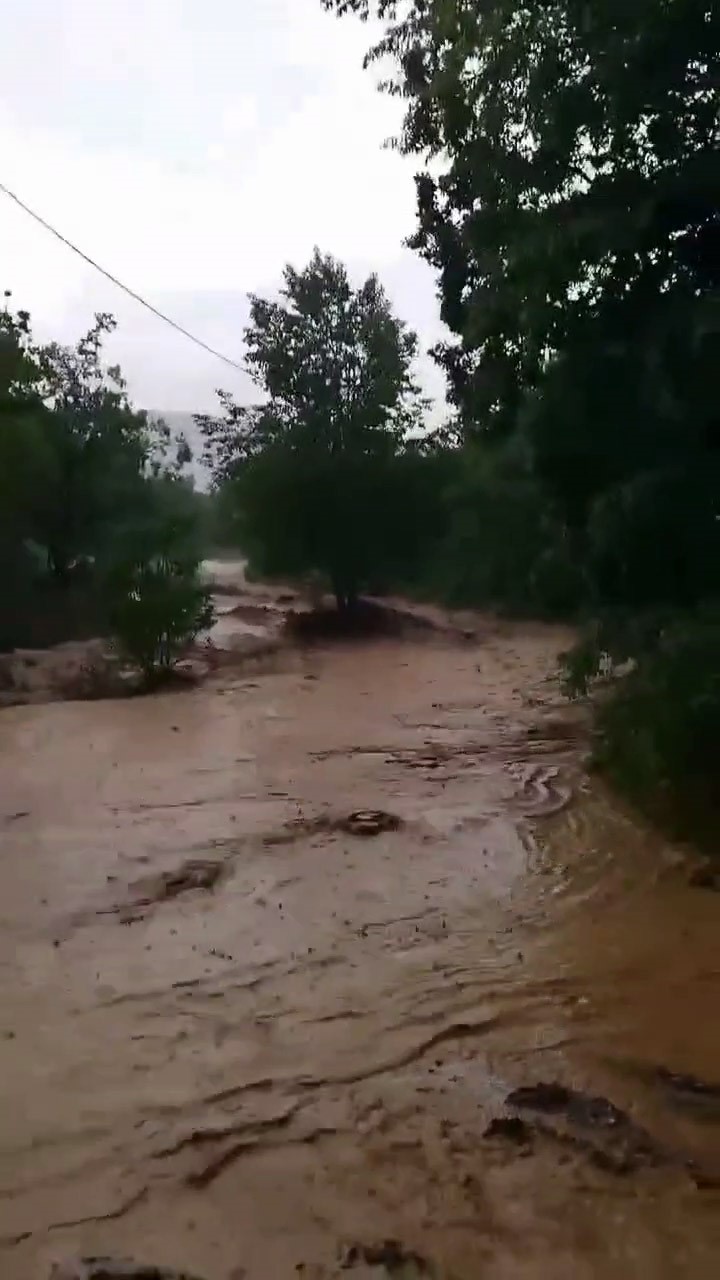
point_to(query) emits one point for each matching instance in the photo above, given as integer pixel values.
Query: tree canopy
(569, 202)
(568, 198)
(322, 465)
(576, 144)
(88, 483)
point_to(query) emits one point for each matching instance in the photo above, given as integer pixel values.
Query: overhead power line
(234, 364)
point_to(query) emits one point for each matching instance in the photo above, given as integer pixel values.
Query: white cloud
(240, 115)
(193, 147)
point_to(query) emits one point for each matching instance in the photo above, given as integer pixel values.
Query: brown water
(242, 1079)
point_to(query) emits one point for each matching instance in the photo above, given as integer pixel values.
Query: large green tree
(568, 198)
(88, 483)
(323, 471)
(574, 147)
(570, 205)
(26, 457)
(103, 448)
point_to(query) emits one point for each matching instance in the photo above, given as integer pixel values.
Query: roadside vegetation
(100, 528)
(567, 198)
(329, 472)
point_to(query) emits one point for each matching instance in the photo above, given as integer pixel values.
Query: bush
(659, 727)
(158, 607)
(501, 546)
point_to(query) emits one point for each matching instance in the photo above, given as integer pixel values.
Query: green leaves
(334, 361)
(571, 211)
(158, 606)
(319, 469)
(570, 141)
(84, 476)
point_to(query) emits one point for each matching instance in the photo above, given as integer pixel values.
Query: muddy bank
(244, 633)
(251, 630)
(277, 951)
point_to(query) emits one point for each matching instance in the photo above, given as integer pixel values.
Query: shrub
(658, 726)
(158, 606)
(501, 546)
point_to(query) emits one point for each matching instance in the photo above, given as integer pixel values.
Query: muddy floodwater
(277, 951)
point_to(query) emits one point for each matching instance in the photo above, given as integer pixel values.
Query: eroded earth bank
(251, 1032)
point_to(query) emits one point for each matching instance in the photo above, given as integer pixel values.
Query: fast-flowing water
(241, 1036)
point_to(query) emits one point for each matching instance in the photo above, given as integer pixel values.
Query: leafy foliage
(569, 203)
(658, 729)
(158, 607)
(577, 144)
(502, 546)
(322, 473)
(83, 475)
(27, 467)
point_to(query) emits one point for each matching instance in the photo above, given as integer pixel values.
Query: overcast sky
(193, 147)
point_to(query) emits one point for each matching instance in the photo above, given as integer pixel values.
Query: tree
(27, 470)
(322, 468)
(503, 546)
(102, 445)
(569, 202)
(577, 147)
(571, 210)
(83, 474)
(157, 604)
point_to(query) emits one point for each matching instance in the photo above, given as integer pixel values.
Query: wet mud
(345, 966)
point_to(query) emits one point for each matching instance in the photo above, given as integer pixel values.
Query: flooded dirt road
(243, 1036)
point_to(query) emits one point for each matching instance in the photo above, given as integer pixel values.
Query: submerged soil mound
(76, 671)
(368, 619)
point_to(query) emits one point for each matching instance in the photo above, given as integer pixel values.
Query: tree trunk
(58, 563)
(351, 596)
(339, 592)
(345, 592)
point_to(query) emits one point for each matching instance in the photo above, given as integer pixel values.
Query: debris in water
(362, 822)
(705, 877)
(194, 874)
(390, 1254)
(687, 1090)
(510, 1127)
(369, 822)
(580, 1108)
(114, 1269)
(618, 1145)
